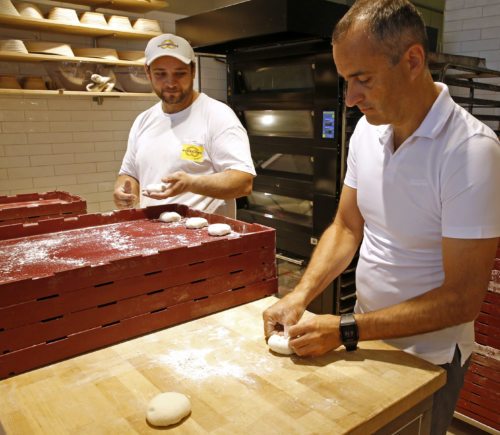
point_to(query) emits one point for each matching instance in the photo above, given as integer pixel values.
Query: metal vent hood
(260, 22)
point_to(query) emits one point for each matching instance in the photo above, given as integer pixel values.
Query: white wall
(472, 28)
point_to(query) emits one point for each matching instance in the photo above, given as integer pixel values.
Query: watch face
(349, 331)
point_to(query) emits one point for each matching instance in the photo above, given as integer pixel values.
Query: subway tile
(90, 115)
(36, 115)
(113, 166)
(93, 207)
(27, 150)
(38, 171)
(54, 159)
(99, 196)
(464, 14)
(451, 26)
(492, 10)
(491, 32)
(125, 115)
(77, 168)
(94, 157)
(80, 189)
(26, 126)
(73, 126)
(13, 139)
(121, 135)
(52, 183)
(111, 146)
(463, 35)
(111, 125)
(13, 162)
(3, 174)
(107, 206)
(7, 185)
(73, 147)
(59, 115)
(484, 44)
(97, 177)
(480, 23)
(107, 186)
(61, 137)
(64, 103)
(451, 5)
(92, 136)
(12, 115)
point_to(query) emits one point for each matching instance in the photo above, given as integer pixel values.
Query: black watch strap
(349, 331)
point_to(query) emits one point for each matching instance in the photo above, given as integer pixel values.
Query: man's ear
(147, 71)
(415, 58)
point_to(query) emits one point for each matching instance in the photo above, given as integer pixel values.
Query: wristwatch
(349, 331)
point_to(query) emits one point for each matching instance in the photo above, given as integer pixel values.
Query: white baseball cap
(169, 45)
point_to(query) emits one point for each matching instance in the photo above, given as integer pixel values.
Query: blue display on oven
(328, 124)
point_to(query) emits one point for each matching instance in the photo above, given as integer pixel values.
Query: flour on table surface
(45, 254)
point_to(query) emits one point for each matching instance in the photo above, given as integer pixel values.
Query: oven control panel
(328, 131)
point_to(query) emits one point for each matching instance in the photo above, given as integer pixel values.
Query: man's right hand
(283, 314)
(123, 196)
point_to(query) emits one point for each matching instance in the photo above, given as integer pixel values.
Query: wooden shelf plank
(123, 5)
(76, 93)
(34, 57)
(79, 29)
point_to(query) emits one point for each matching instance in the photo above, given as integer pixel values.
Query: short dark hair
(394, 24)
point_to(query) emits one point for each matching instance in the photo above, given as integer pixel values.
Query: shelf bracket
(99, 99)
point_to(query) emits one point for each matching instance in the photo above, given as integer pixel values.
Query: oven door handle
(290, 259)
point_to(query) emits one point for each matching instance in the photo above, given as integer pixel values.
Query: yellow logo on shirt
(193, 153)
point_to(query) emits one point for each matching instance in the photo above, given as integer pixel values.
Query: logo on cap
(168, 44)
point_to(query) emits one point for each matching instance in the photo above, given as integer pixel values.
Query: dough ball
(219, 229)
(168, 408)
(170, 216)
(155, 188)
(279, 344)
(196, 222)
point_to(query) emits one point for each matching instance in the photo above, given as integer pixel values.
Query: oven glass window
(289, 163)
(278, 205)
(285, 123)
(280, 78)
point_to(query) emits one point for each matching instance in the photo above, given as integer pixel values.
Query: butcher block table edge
(378, 350)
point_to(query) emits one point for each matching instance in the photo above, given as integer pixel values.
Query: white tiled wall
(74, 143)
(472, 28)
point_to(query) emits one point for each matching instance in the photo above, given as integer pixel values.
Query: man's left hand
(315, 335)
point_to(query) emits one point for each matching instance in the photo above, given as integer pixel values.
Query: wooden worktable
(236, 385)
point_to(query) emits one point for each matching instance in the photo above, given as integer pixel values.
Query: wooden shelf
(77, 28)
(123, 5)
(33, 57)
(63, 92)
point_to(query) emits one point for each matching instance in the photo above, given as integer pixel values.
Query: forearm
(229, 184)
(456, 301)
(334, 253)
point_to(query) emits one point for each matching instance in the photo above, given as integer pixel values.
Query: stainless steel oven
(283, 85)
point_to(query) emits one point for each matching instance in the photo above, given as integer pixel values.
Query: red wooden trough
(72, 285)
(32, 207)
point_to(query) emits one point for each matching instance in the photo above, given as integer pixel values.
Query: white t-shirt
(205, 138)
(443, 181)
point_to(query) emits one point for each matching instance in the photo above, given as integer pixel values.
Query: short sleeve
(229, 144)
(128, 166)
(351, 178)
(470, 195)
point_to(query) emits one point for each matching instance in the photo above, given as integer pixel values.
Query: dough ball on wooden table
(196, 222)
(219, 229)
(170, 216)
(279, 344)
(155, 188)
(169, 408)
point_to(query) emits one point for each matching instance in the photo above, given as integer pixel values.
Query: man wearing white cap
(191, 145)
